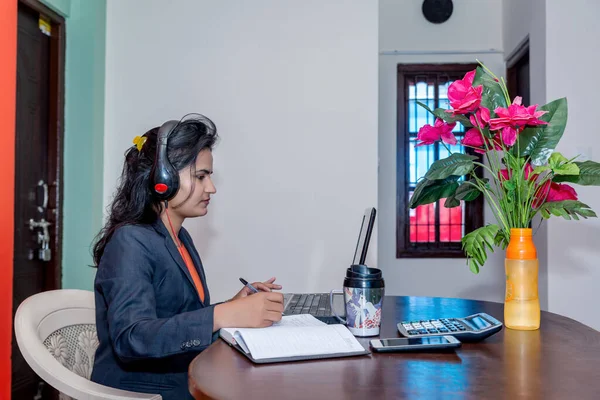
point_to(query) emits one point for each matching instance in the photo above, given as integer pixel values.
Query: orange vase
(521, 302)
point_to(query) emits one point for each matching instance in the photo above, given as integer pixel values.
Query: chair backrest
(56, 333)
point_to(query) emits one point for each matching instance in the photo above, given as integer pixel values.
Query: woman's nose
(211, 187)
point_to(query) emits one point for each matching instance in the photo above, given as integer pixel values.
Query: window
(429, 230)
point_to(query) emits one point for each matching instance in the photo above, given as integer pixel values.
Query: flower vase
(521, 302)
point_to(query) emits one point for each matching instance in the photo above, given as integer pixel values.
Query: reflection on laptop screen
(364, 236)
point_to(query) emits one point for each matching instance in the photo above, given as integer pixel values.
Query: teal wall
(84, 135)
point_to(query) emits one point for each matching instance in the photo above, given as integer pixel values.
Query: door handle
(44, 205)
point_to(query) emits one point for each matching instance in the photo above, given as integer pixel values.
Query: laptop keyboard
(314, 304)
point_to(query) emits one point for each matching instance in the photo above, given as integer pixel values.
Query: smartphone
(415, 344)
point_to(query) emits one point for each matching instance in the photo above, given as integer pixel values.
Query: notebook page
(299, 341)
(297, 320)
(300, 320)
(286, 321)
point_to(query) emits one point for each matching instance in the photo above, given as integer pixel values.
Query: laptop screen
(364, 236)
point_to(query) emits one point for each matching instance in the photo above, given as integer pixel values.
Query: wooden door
(517, 74)
(38, 155)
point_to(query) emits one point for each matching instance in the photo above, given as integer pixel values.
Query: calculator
(468, 329)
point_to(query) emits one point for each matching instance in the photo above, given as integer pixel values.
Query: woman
(153, 310)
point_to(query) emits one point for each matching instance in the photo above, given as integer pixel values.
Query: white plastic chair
(56, 333)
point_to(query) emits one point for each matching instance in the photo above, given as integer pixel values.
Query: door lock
(43, 238)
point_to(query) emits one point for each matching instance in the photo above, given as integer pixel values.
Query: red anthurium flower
(473, 138)
(560, 192)
(550, 192)
(483, 116)
(464, 98)
(528, 171)
(430, 134)
(540, 194)
(509, 135)
(516, 115)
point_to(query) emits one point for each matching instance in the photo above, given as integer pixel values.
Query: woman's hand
(266, 286)
(257, 311)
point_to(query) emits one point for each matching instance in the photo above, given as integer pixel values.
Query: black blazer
(149, 317)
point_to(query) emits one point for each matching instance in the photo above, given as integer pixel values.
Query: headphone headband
(164, 178)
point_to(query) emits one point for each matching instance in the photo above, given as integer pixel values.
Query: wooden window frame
(473, 209)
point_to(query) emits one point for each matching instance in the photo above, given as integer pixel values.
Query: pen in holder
(364, 290)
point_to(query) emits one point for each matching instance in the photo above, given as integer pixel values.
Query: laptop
(317, 304)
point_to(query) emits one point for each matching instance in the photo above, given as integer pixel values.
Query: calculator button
(432, 330)
(407, 326)
(461, 328)
(417, 326)
(422, 331)
(453, 329)
(443, 330)
(412, 332)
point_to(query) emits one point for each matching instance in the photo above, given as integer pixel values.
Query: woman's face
(195, 187)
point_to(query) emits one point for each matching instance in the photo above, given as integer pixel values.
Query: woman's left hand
(266, 286)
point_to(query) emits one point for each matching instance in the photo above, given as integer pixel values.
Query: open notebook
(295, 337)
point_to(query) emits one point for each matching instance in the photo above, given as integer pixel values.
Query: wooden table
(559, 361)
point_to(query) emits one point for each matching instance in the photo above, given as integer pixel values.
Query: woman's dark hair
(133, 202)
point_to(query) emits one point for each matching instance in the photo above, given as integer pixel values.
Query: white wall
(292, 88)
(473, 32)
(573, 253)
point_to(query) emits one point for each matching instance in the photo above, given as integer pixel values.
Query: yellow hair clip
(139, 142)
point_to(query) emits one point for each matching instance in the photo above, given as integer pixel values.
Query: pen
(252, 288)
(249, 286)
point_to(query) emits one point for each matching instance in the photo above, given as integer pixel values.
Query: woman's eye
(201, 177)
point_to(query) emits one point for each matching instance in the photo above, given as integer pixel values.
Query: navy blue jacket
(149, 317)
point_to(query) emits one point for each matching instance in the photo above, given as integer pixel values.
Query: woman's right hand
(255, 311)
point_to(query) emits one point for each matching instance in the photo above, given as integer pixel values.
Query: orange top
(521, 246)
(193, 272)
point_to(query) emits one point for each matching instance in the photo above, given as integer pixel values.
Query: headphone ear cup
(164, 178)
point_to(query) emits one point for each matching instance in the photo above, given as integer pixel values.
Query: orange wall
(8, 73)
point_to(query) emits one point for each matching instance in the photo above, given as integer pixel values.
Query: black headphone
(164, 182)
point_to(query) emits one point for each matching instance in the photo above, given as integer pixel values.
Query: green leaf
(446, 116)
(540, 169)
(476, 243)
(501, 239)
(589, 174)
(539, 142)
(566, 169)
(452, 202)
(457, 164)
(509, 186)
(429, 191)
(473, 266)
(568, 209)
(556, 159)
(467, 192)
(492, 96)
(449, 118)
(425, 106)
(561, 165)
